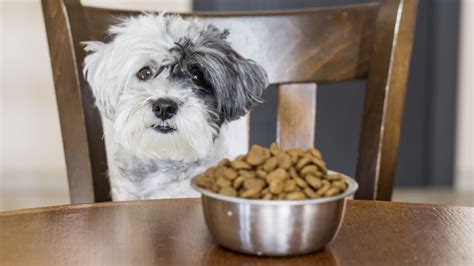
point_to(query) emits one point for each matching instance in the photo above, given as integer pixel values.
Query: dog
(169, 85)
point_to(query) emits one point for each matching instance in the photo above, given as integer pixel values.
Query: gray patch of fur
(238, 83)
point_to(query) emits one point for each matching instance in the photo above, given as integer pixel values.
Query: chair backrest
(298, 48)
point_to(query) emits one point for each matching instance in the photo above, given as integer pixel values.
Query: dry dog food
(273, 174)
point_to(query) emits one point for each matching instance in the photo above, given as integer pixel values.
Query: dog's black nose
(165, 108)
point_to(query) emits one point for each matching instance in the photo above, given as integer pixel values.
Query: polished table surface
(173, 232)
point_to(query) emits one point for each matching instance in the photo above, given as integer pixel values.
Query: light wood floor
(441, 195)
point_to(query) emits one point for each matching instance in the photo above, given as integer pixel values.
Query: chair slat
(93, 125)
(81, 126)
(296, 115)
(314, 45)
(384, 99)
(68, 95)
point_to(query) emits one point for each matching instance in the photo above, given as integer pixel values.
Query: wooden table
(173, 232)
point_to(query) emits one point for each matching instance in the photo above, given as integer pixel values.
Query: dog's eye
(145, 73)
(197, 76)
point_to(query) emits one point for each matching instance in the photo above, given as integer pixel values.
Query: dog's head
(169, 84)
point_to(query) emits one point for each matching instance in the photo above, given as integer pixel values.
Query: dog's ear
(99, 71)
(246, 82)
(238, 82)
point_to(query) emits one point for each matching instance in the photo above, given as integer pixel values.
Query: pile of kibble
(273, 174)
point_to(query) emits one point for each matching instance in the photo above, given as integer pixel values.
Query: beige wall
(32, 158)
(465, 120)
(32, 167)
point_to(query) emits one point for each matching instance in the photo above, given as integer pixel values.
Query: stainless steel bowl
(274, 227)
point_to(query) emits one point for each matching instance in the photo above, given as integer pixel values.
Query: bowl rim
(351, 189)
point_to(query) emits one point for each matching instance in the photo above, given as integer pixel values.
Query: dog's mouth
(164, 129)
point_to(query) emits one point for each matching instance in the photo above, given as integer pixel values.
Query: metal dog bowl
(274, 227)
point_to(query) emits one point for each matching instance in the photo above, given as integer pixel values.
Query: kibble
(223, 182)
(290, 185)
(278, 174)
(276, 187)
(238, 182)
(240, 165)
(300, 182)
(273, 174)
(261, 174)
(254, 184)
(284, 161)
(230, 173)
(309, 169)
(228, 191)
(310, 193)
(293, 172)
(313, 181)
(298, 195)
(247, 173)
(270, 164)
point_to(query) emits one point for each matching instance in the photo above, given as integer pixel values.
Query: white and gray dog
(168, 84)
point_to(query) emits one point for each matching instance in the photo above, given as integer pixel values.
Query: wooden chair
(298, 48)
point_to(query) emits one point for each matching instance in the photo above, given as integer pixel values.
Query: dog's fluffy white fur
(187, 63)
